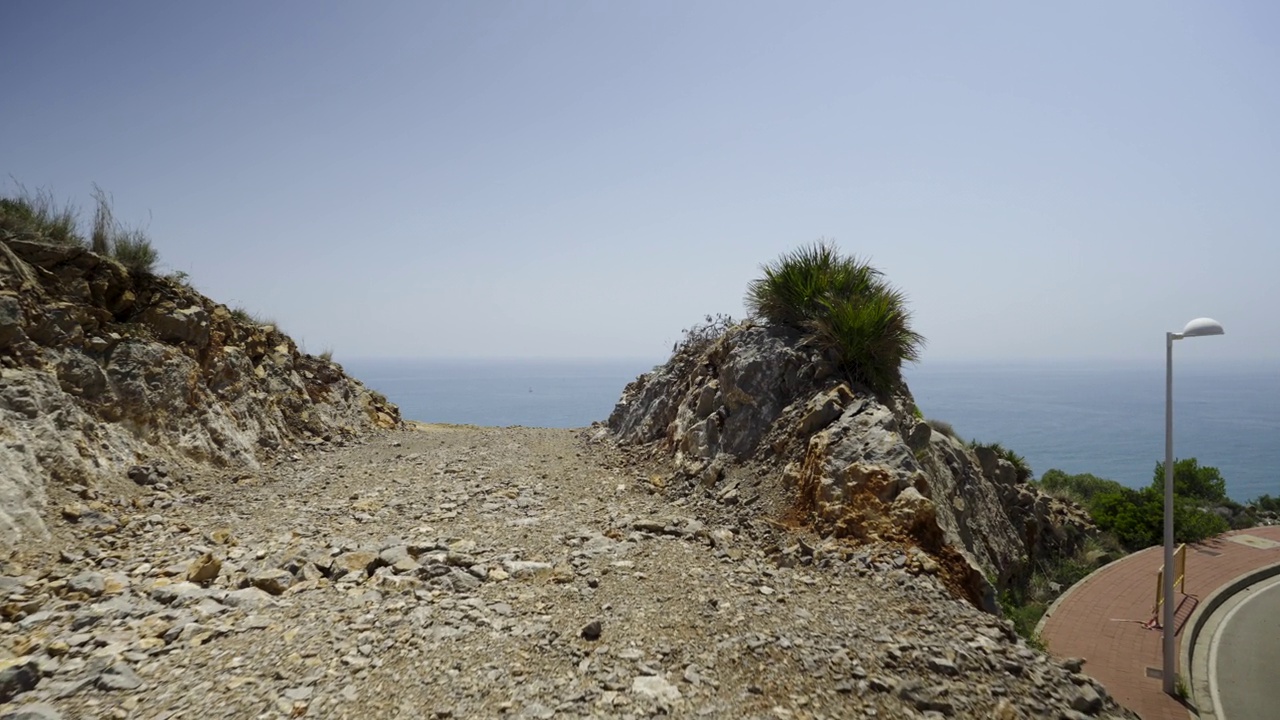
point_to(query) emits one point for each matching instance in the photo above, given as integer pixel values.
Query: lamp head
(1201, 326)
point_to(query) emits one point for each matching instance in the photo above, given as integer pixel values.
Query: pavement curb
(1202, 614)
(1053, 606)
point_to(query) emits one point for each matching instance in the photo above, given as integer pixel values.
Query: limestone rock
(91, 584)
(863, 466)
(119, 676)
(656, 688)
(32, 711)
(17, 675)
(273, 582)
(203, 569)
(100, 367)
(358, 563)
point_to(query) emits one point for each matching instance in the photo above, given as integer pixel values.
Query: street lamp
(1195, 328)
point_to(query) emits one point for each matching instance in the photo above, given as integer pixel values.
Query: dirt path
(479, 572)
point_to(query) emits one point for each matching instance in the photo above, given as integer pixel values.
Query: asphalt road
(1244, 656)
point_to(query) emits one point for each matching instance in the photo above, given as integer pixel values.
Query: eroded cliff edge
(850, 462)
(102, 369)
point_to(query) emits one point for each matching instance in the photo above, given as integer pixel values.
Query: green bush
(845, 307)
(1136, 517)
(37, 216)
(1080, 488)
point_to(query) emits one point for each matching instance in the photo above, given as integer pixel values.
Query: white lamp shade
(1202, 326)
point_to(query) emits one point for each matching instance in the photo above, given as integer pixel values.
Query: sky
(1045, 181)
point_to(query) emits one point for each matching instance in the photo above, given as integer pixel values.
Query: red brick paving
(1102, 619)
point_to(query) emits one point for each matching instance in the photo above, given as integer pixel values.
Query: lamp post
(1195, 328)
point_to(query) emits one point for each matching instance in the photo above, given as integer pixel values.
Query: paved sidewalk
(1102, 618)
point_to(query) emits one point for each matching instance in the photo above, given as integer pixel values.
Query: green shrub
(37, 216)
(132, 249)
(1136, 517)
(1080, 488)
(1266, 503)
(845, 307)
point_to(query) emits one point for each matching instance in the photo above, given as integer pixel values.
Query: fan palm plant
(843, 304)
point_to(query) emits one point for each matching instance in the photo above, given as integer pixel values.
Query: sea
(1104, 418)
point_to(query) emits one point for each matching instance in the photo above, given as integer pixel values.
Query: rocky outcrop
(101, 369)
(858, 465)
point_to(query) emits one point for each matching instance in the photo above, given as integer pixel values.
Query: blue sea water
(1105, 419)
(533, 393)
(1108, 419)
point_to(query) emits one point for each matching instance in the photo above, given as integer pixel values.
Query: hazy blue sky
(585, 179)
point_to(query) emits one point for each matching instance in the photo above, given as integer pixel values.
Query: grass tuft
(104, 222)
(35, 215)
(132, 249)
(943, 427)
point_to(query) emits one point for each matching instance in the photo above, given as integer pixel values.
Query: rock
(144, 475)
(250, 598)
(526, 568)
(358, 563)
(102, 365)
(119, 676)
(203, 569)
(865, 466)
(655, 688)
(11, 321)
(592, 631)
(274, 581)
(33, 711)
(1086, 700)
(17, 675)
(91, 584)
(943, 666)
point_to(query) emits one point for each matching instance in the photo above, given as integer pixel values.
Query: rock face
(857, 465)
(101, 369)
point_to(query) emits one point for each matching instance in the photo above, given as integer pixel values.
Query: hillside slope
(759, 403)
(102, 370)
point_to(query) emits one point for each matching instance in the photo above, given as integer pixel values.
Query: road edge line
(1201, 614)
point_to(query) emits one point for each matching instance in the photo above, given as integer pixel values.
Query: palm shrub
(845, 307)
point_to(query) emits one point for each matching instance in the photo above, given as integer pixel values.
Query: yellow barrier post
(1179, 579)
(1180, 566)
